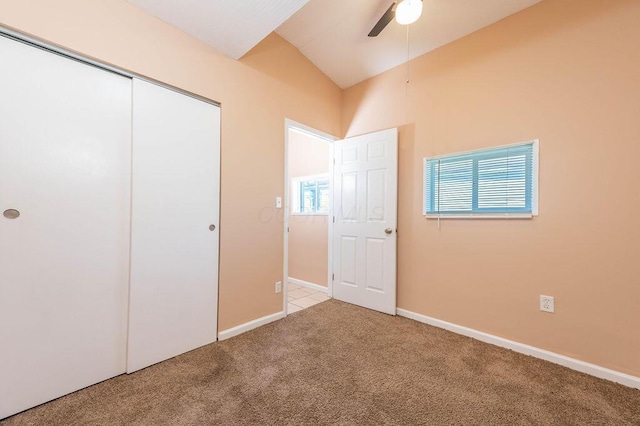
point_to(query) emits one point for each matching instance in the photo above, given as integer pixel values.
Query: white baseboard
(572, 363)
(242, 328)
(307, 284)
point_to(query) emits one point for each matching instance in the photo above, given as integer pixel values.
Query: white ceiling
(232, 27)
(331, 33)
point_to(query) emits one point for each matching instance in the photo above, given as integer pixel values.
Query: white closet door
(174, 254)
(65, 132)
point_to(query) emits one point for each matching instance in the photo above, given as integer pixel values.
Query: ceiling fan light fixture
(408, 11)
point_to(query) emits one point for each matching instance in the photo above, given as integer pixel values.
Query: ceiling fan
(405, 12)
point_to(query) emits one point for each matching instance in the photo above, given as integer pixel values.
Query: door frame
(58, 50)
(294, 125)
(40, 43)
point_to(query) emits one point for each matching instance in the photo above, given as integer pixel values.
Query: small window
(310, 194)
(496, 182)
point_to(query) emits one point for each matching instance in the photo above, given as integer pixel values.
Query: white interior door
(174, 254)
(65, 134)
(365, 200)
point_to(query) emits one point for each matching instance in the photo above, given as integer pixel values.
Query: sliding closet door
(175, 211)
(65, 132)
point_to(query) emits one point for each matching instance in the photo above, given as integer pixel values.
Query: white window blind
(310, 194)
(490, 182)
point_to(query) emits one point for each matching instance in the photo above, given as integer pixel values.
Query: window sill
(480, 216)
(309, 214)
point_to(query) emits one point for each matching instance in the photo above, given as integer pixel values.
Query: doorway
(308, 216)
(340, 211)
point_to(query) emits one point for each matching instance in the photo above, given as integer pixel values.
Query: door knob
(388, 231)
(212, 227)
(11, 213)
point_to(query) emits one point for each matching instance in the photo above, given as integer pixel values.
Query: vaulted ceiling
(232, 27)
(331, 33)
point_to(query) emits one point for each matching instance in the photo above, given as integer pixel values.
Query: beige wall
(566, 72)
(308, 234)
(255, 97)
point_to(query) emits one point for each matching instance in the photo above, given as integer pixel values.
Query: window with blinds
(494, 182)
(310, 194)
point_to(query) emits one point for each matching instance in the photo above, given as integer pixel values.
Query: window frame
(535, 151)
(296, 194)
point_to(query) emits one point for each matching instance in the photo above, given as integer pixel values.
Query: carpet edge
(250, 325)
(563, 360)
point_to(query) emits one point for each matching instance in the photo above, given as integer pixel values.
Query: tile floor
(302, 297)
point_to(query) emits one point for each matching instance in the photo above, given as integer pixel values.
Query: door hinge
(334, 161)
(334, 219)
(287, 229)
(333, 277)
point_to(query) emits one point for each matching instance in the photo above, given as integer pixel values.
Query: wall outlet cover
(547, 304)
(278, 286)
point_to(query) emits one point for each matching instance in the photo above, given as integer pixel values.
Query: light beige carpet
(336, 363)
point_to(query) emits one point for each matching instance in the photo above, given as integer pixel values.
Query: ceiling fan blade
(384, 21)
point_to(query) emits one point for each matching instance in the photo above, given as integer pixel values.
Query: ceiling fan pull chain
(406, 86)
(408, 56)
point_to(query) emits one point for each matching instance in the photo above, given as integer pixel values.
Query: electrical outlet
(547, 304)
(278, 286)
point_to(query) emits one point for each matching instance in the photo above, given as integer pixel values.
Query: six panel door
(365, 208)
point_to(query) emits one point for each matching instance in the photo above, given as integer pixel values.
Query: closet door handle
(11, 214)
(212, 227)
